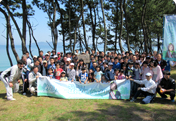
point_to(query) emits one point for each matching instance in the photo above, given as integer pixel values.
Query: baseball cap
(110, 64)
(72, 64)
(68, 59)
(58, 53)
(55, 56)
(44, 61)
(46, 54)
(148, 74)
(34, 56)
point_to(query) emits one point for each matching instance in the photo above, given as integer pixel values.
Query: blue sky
(41, 31)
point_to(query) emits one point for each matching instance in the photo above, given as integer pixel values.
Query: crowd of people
(148, 73)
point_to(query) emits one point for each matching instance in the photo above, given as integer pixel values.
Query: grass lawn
(48, 108)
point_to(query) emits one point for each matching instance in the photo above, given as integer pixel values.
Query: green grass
(48, 108)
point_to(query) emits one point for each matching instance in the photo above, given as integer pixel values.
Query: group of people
(148, 73)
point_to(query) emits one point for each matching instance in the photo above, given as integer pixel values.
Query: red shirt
(58, 73)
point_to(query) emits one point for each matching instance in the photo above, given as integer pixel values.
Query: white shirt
(29, 61)
(15, 73)
(150, 86)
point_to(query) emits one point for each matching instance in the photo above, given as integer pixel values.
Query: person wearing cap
(166, 86)
(44, 69)
(109, 73)
(56, 59)
(34, 58)
(68, 65)
(47, 58)
(71, 72)
(63, 76)
(11, 78)
(149, 89)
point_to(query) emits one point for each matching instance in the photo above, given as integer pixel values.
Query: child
(52, 65)
(103, 79)
(91, 76)
(50, 73)
(145, 69)
(116, 71)
(71, 72)
(137, 76)
(98, 74)
(130, 70)
(58, 71)
(63, 77)
(83, 76)
(121, 75)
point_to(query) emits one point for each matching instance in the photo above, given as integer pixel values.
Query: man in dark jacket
(162, 63)
(109, 74)
(166, 86)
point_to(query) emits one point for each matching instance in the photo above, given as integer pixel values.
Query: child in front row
(83, 76)
(98, 74)
(121, 75)
(63, 77)
(116, 71)
(50, 73)
(58, 71)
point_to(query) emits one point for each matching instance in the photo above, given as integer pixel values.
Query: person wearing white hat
(71, 72)
(149, 89)
(68, 61)
(34, 58)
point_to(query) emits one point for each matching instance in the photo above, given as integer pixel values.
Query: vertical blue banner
(169, 35)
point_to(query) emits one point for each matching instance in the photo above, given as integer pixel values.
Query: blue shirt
(52, 66)
(93, 68)
(83, 77)
(98, 75)
(168, 68)
(118, 66)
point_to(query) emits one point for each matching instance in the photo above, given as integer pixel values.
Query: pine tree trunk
(121, 26)
(10, 34)
(84, 29)
(24, 24)
(105, 30)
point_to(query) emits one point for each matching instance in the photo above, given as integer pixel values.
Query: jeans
(148, 96)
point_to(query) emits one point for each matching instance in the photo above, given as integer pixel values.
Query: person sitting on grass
(83, 76)
(98, 74)
(149, 89)
(63, 76)
(50, 73)
(33, 76)
(166, 86)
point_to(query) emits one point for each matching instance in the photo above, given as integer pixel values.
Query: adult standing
(10, 78)
(162, 63)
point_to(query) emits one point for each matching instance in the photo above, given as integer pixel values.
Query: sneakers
(11, 99)
(172, 100)
(132, 100)
(24, 94)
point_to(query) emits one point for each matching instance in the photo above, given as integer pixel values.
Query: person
(50, 73)
(121, 75)
(51, 65)
(34, 58)
(71, 72)
(166, 86)
(58, 71)
(149, 89)
(109, 74)
(91, 76)
(144, 69)
(10, 77)
(157, 72)
(53, 53)
(169, 65)
(33, 76)
(41, 53)
(47, 58)
(116, 73)
(116, 64)
(83, 76)
(97, 75)
(162, 63)
(103, 79)
(29, 60)
(44, 68)
(59, 56)
(63, 76)
(104, 66)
